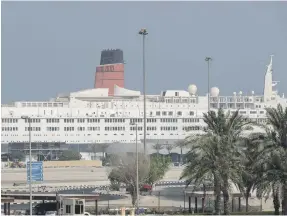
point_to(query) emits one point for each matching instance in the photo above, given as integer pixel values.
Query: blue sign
(37, 171)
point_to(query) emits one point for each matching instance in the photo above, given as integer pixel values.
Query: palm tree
(204, 164)
(276, 131)
(252, 146)
(181, 144)
(229, 128)
(157, 147)
(93, 148)
(269, 180)
(104, 148)
(169, 148)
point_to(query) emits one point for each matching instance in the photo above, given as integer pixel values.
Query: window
(93, 128)
(53, 120)
(189, 120)
(114, 128)
(151, 128)
(114, 120)
(136, 120)
(81, 120)
(179, 113)
(157, 113)
(68, 128)
(32, 129)
(53, 128)
(81, 128)
(191, 113)
(151, 120)
(68, 209)
(93, 120)
(191, 128)
(68, 120)
(170, 113)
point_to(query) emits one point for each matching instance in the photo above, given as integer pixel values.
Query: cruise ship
(106, 115)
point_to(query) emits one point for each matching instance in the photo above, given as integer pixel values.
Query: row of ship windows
(114, 120)
(164, 128)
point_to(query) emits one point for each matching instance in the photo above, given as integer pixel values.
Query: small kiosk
(73, 206)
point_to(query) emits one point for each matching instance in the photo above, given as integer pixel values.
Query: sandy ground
(70, 176)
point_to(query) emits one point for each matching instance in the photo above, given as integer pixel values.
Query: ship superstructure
(93, 116)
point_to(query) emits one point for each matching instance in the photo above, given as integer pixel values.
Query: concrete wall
(80, 163)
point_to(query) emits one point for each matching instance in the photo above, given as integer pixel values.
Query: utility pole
(27, 118)
(208, 59)
(137, 166)
(144, 32)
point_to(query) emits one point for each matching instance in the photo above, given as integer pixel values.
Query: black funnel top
(113, 56)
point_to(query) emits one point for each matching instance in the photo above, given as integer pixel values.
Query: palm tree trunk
(217, 193)
(284, 201)
(248, 189)
(204, 197)
(225, 192)
(181, 156)
(276, 202)
(246, 203)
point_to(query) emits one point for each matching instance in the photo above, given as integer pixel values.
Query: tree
(93, 148)
(270, 179)
(252, 146)
(273, 158)
(157, 147)
(169, 148)
(125, 173)
(203, 163)
(229, 129)
(104, 148)
(181, 144)
(70, 155)
(158, 167)
(277, 120)
(150, 170)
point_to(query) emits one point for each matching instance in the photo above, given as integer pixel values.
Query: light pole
(144, 32)
(137, 166)
(30, 160)
(208, 59)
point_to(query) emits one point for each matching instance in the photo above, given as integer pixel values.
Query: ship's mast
(268, 91)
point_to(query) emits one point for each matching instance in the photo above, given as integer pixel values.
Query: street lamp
(137, 164)
(208, 59)
(30, 160)
(144, 32)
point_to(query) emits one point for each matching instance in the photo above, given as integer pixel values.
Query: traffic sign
(37, 171)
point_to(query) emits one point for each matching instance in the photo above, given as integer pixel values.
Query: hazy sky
(54, 47)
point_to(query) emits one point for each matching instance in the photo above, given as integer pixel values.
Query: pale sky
(54, 47)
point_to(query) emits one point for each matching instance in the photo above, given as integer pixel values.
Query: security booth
(73, 206)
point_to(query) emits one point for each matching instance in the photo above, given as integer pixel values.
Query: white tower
(268, 92)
